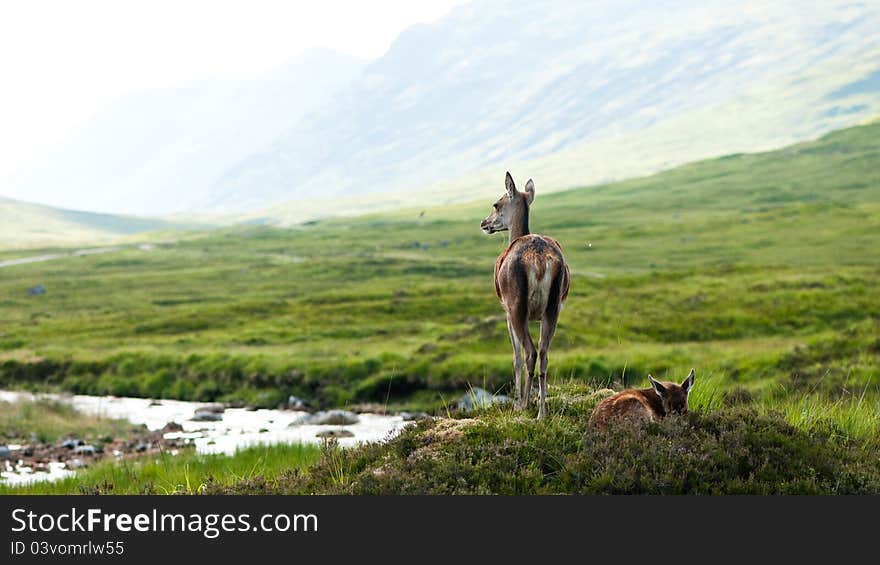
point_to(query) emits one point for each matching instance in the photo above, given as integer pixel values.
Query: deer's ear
(529, 191)
(658, 388)
(511, 188)
(688, 383)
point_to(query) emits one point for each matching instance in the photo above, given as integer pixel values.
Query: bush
(158, 384)
(736, 451)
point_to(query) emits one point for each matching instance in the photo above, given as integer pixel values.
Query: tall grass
(845, 419)
(708, 392)
(49, 420)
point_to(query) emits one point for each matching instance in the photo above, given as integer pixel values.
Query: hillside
(579, 92)
(576, 93)
(28, 225)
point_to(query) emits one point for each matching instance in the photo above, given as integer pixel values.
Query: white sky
(61, 61)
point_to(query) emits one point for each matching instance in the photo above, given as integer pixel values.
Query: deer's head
(513, 206)
(674, 396)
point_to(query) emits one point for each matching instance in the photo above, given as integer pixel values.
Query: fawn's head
(512, 207)
(674, 396)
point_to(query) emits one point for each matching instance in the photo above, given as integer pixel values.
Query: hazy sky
(62, 61)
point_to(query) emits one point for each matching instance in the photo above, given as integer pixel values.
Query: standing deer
(531, 281)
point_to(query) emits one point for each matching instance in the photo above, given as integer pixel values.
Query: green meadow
(759, 270)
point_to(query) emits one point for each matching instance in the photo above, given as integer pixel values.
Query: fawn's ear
(658, 388)
(688, 383)
(511, 188)
(529, 191)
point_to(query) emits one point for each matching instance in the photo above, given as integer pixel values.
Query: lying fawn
(645, 404)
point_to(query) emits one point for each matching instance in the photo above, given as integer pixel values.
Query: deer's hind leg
(531, 355)
(523, 352)
(517, 362)
(548, 329)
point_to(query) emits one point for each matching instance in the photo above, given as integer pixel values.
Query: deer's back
(532, 269)
(633, 404)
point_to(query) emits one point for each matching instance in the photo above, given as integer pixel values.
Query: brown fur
(533, 253)
(644, 404)
(534, 259)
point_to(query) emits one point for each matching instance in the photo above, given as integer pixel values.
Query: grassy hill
(759, 270)
(27, 225)
(732, 450)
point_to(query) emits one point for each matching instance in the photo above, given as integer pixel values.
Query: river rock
(328, 418)
(85, 450)
(479, 398)
(334, 434)
(72, 443)
(172, 427)
(414, 416)
(297, 403)
(208, 414)
(5, 452)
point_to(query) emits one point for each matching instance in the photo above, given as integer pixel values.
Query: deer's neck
(519, 225)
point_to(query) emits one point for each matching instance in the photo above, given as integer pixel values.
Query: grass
(184, 473)
(762, 271)
(50, 420)
(849, 419)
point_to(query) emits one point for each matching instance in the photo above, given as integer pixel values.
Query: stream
(236, 428)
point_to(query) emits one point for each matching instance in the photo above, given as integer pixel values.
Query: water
(239, 427)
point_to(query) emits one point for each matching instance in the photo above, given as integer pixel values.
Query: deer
(646, 404)
(531, 282)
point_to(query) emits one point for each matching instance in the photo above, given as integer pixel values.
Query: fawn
(645, 404)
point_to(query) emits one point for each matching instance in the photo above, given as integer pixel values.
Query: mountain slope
(159, 151)
(502, 84)
(568, 92)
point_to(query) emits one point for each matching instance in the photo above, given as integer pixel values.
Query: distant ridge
(574, 93)
(29, 225)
